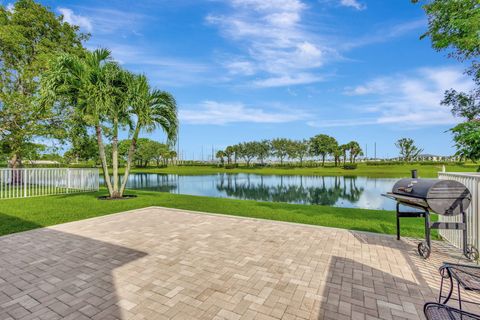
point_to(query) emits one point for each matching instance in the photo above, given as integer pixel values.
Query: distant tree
(83, 143)
(355, 150)
(407, 148)
(160, 151)
(247, 151)
(322, 145)
(337, 154)
(298, 150)
(263, 150)
(145, 153)
(344, 148)
(280, 148)
(229, 151)
(30, 35)
(172, 155)
(220, 155)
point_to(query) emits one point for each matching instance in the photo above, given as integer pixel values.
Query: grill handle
(414, 174)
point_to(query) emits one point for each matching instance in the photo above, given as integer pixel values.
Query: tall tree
(280, 148)
(337, 154)
(150, 109)
(467, 140)
(298, 150)
(247, 151)
(229, 151)
(322, 145)
(30, 35)
(355, 150)
(262, 150)
(408, 149)
(454, 26)
(109, 98)
(220, 155)
(90, 84)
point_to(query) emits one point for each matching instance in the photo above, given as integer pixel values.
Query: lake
(350, 192)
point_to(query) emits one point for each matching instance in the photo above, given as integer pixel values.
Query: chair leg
(450, 292)
(459, 297)
(441, 289)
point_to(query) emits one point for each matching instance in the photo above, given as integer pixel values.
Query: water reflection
(305, 190)
(343, 191)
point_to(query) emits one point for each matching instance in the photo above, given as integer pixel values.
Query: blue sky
(257, 69)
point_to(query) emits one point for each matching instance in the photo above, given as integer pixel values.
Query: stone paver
(159, 263)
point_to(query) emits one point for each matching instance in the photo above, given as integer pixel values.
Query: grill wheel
(472, 253)
(424, 250)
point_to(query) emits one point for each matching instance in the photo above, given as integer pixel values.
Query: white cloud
(77, 20)
(162, 70)
(104, 21)
(275, 44)
(10, 7)
(353, 4)
(378, 85)
(407, 100)
(385, 34)
(287, 80)
(219, 113)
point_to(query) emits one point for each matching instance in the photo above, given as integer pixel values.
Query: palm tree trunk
(116, 194)
(103, 158)
(131, 153)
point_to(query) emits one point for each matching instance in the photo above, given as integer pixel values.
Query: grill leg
(427, 228)
(398, 222)
(465, 239)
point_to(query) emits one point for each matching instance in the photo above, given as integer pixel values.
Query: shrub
(351, 166)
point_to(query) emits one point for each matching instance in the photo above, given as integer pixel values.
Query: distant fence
(34, 182)
(472, 182)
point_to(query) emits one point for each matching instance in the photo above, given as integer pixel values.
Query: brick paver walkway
(159, 263)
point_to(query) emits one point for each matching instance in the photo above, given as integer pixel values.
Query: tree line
(320, 146)
(147, 152)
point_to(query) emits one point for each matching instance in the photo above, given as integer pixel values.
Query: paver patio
(159, 263)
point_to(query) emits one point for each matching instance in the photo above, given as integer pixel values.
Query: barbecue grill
(444, 197)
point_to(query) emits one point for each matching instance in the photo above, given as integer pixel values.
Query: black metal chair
(437, 311)
(466, 276)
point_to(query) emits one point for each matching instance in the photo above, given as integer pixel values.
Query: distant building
(41, 162)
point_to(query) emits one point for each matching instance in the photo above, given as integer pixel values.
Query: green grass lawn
(25, 214)
(385, 171)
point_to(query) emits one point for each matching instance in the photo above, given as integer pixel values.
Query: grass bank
(24, 214)
(380, 171)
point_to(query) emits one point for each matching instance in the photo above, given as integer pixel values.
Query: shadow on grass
(51, 274)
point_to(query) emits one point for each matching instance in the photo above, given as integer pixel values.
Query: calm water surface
(350, 192)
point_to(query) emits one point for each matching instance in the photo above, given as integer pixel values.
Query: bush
(231, 166)
(351, 166)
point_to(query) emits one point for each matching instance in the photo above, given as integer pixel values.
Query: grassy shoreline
(380, 171)
(25, 214)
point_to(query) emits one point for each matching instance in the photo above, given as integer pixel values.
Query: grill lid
(447, 197)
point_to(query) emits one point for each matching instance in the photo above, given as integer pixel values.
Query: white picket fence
(34, 182)
(472, 182)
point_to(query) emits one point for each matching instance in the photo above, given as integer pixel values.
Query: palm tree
(149, 109)
(229, 151)
(355, 150)
(220, 155)
(107, 96)
(90, 85)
